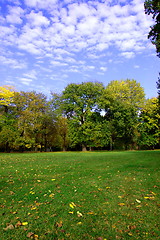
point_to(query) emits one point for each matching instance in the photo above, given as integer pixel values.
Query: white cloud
(25, 81)
(15, 15)
(43, 4)
(58, 64)
(37, 19)
(6, 31)
(60, 29)
(136, 66)
(128, 54)
(31, 48)
(104, 69)
(13, 63)
(31, 74)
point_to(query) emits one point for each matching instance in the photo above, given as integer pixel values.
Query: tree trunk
(84, 149)
(64, 149)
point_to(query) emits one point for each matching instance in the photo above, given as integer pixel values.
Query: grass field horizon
(80, 195)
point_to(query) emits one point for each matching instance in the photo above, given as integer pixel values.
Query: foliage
(78, 103)
(149, 124)
(122, 100)
(84, 116)
(153, 7)
(6, 95)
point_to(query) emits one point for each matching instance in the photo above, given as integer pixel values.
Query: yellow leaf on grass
(70, 212)
(79, 214)
(31, 192)
(138, 201)
(51, 195)
(107, 187)
(33, 208)
(24, 223)
(90, 213)
(153, 193)
(121, 204)
(53, 179)
(79, 223)
(150, 198)
(72, 205)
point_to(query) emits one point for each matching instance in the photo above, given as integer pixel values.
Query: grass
(80, 196)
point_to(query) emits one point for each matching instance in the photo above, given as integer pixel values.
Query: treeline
(84, 116)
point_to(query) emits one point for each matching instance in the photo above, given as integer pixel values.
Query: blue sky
(47, 44)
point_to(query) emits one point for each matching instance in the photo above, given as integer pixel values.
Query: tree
(30, 109)
(153, 7)
(7, 121)
(8, 133)
(148, 126)
(122, 101)
(62, 130)
(78, 101)
(6, 96)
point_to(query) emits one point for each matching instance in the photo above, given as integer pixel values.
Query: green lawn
(78, 196)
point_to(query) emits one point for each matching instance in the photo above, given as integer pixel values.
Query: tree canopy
(84, 116)
(153, 7)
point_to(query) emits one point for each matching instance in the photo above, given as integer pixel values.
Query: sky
(47, 44)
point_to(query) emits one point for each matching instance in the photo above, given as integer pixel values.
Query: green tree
(148, 127)
(62, 130)
(7, 121)
(122, 101)
(78, 101)
(8, 133)
(153, 7)
(30, 112)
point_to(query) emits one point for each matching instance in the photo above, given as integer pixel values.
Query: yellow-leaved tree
(6, 96)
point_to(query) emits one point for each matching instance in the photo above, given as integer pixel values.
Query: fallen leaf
(72, 205)
(153, 193)
(33, 208)
(70, 212)
(79, 214)
(138, 201)
(119, 196)
(35, 236)
(51, 195)
(14, 212)
(90, 213)
(121, 204)
(24, 223)
(18, 224)
(9, 227)
(30, 234)
(150, 198)
(139, 206)
(132, 227)
(59, 224)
